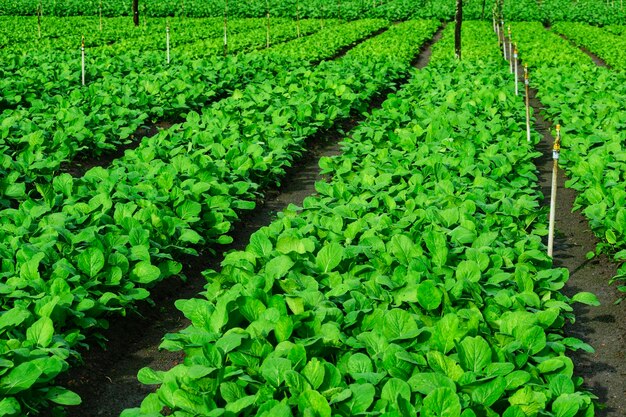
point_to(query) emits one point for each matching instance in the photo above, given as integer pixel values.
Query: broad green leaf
(21, 378)
(437, 246)
(314, 372)
(474, 353)
(361, 399)
(566, 405)
(241, 404)
(399, 325)
(315, 402)
(278, 267)
(41, 332)
(288, 244)
(274, 370)
(428, 295)
(586, 298)
(468, 271)
(145, 273)
(9, 406)
(426, 382)
(359, 363)
(231, 391)
(394, 389)
(148, 376)
(260, 245)
(531, 402)
(442, 402)
(329, 257)
(62, 396)
(403, 249)
(489, 392)
(13, 317)
(91, 261)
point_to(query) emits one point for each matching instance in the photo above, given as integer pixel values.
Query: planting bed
(309, 216)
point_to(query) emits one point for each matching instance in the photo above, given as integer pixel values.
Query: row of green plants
(29, 73)
(596, 12)
(606, 45)
(94, 246)
(574, 93)
(346, 9)
(21, 34)
(37, 139)
(414, 283)
(616, 29)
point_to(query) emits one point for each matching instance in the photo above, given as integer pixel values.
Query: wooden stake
(556, 152)
(82, 59)
(515, 71)
(526, 86)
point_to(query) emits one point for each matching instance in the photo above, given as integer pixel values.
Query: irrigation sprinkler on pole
(515, 71)
(82, 59)
(556, 153)
(526, 86)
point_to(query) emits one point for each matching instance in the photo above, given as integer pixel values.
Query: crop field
(312, 208)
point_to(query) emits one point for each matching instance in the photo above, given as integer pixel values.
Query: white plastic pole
(556, 151)
(226, 28)
(167, 41)
(526, 85)
(498, 33)
(510, 51)
(82, 59)
(515, 71)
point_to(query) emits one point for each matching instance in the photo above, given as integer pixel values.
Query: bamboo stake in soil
(526, 86)
(556, 151)
(82, 59)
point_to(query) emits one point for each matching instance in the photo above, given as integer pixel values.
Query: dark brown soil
(424, 57)
(602, 327)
